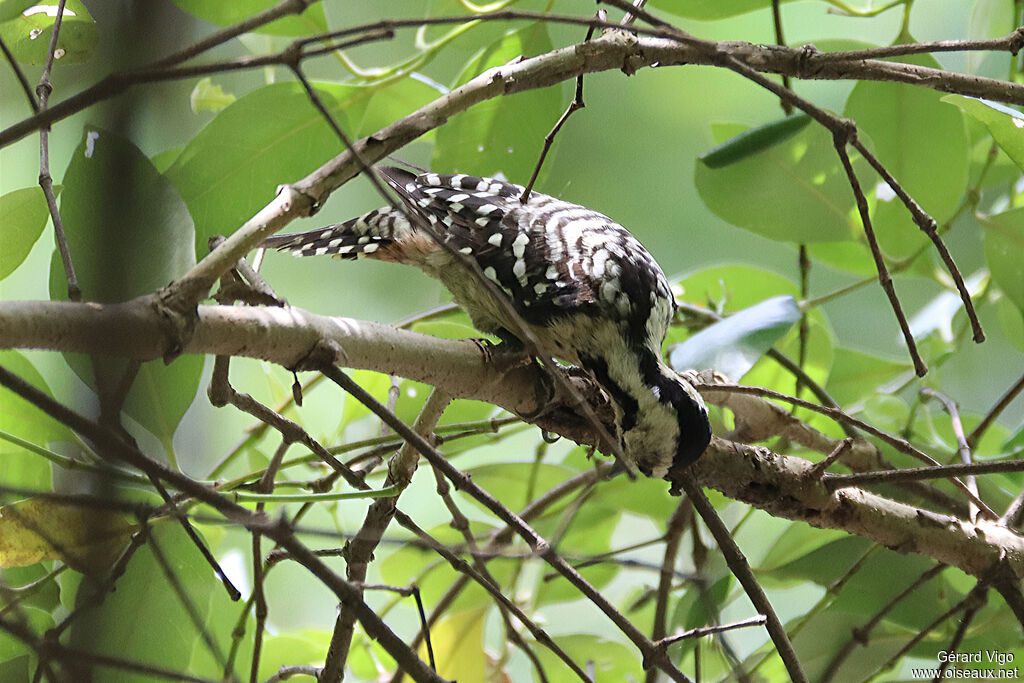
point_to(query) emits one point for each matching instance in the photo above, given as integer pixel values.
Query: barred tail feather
(361, 236)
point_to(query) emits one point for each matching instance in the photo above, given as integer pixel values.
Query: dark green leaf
(144, 620)
(27, 35)
(12, 9)
(733, 345)
(25, 215)
(273, 135)
(754, 140)
(504, 134)
(129, 234)
(795, 190)
(226, 13)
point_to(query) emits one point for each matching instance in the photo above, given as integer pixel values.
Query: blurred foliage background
(214, 149)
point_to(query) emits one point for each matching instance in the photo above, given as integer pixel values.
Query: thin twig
(963, 449)
(961, 630)
(576, 104)
(702, 631)
(884, 279)
(359, 551)
(115, 448)
(861, 634)
(787, 106)
(1006, 399)
(929, 227)
(819, 468)
(741, 570)
(43, 90)
(677, 524)
(901, 445)
(22, 80)
(517, 524)
(838, 481)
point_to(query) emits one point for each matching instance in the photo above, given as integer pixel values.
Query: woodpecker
(588, 290)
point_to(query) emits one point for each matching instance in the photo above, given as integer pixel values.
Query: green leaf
(12, 9)
(754, 140)
(795, 190)
(1002, 122)
(989, 19)
(503, 135)
(206, 96)
(24, 216)
(398, 99)
(13, 651)
(856, 375)
(311, 21)
(273, 135)
(144, 620)
(709, 10)
(129, 234)
(1011, 322)
(903, 122)
(27, 35)
(733, 345)
(606, 660)
(1004, 244)
(937, 314)
(22, 419)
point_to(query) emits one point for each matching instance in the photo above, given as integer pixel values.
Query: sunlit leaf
(937, 314)
(38, 529)
(11, 9)
(208, 96)
(1004, 123)
(502, 135)
(24, 217)
(733, 345)
(27, 35)
(459, 646)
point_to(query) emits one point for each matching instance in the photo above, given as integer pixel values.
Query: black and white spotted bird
(589, 291)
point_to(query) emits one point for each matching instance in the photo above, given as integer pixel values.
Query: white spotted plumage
(588, 290)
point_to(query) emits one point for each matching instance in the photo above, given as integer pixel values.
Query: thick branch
(772, 482)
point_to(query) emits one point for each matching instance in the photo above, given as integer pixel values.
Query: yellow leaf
(459, 646)
(38, 529)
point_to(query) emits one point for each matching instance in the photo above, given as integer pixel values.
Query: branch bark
(775, 483)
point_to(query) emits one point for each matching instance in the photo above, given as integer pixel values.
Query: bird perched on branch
(588, 291)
